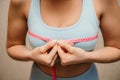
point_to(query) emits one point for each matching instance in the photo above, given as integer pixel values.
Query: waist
(66, 71)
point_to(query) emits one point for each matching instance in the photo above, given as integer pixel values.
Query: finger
(71, 43)
(53, 52)
(61, 53)
(68, 42)
(66, 46)
(54, 59)
(48, 46)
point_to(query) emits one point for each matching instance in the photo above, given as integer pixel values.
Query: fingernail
(64, 41)
(60, 42)
(54, 40)
(55, 45)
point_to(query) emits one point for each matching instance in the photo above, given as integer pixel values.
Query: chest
(87, 34)
(85, 28)
(61, 14)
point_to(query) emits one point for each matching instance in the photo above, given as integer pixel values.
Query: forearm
(19, 52)
(104, 55)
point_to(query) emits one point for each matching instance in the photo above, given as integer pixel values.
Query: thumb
(60, 52)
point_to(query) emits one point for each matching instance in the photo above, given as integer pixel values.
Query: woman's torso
(83, 22)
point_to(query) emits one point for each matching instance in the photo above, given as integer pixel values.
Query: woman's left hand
(70, 54)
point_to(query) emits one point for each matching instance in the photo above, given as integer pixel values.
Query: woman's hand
(71, 55)
(46, 54)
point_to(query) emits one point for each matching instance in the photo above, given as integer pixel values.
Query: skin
(108, 16)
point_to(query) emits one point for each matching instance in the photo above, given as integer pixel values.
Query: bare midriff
(66, 71)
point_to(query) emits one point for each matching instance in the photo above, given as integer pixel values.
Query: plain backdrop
(16, 70)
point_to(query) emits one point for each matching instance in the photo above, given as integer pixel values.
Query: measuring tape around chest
(69, 41)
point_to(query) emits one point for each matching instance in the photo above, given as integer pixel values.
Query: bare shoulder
(17, 3)
(108, 2)
(107, 5)
(110, 5)
(21, 6)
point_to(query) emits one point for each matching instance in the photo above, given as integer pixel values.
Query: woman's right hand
(46, 54)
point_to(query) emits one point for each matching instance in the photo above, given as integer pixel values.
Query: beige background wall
(15, 70)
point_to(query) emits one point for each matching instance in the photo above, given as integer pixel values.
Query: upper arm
(110, 23)
(17, 23)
